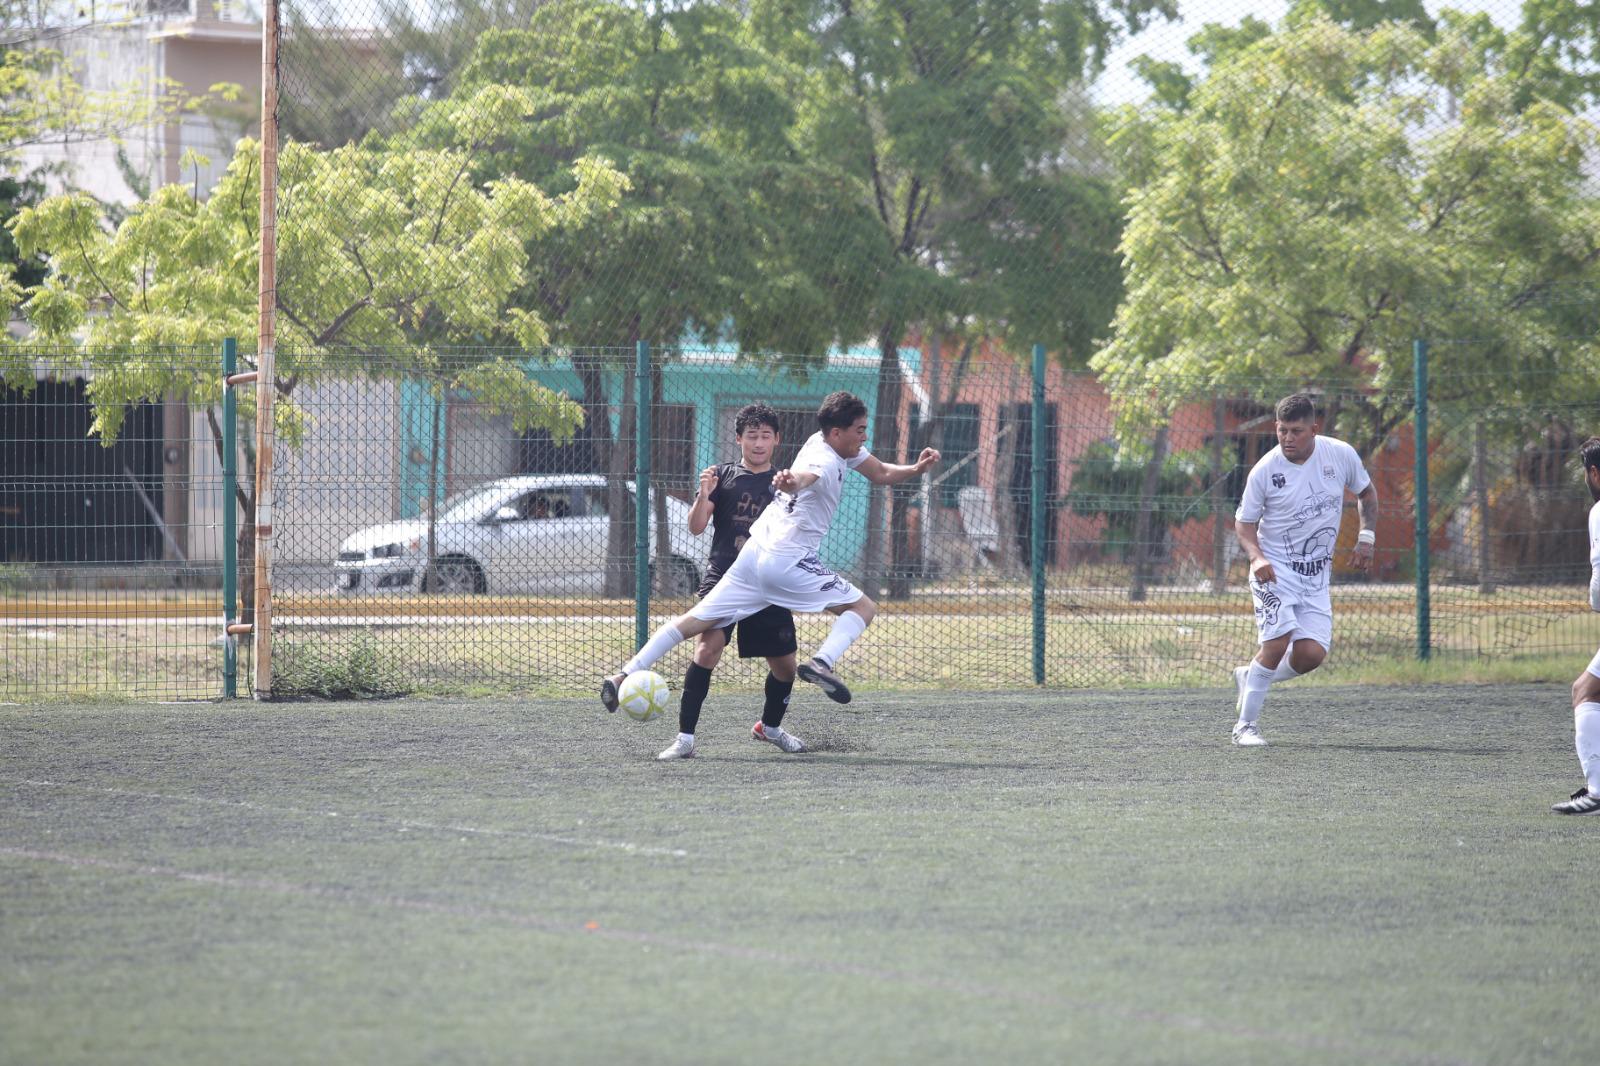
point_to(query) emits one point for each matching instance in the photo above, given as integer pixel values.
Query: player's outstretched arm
(879, 472)
(1260, 568)
(1367, 540)
(791, 482)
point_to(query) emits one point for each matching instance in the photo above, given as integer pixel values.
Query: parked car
(517, 534)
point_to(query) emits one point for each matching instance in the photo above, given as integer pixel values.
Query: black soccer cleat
(1582, 802)
(608, 695)
(818, 673)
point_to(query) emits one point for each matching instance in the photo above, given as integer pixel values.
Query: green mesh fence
(485, 205)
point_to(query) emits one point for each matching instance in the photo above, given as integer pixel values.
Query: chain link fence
(485, 206)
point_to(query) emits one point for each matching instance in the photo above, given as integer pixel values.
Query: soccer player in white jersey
(779, 563)
(1586, 690)
(1287, 524)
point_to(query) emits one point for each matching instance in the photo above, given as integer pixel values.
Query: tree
(1330, 195)
(389, 251)
(962, 129)
(1141, 498)
(729, 231)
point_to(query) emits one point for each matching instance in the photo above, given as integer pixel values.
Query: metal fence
(433, 538)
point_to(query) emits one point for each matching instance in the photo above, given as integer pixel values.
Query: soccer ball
(643, 695)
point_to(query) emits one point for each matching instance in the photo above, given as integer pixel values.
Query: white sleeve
(1594, 558)
(1358, 479)
(860, 457)
(1254, 502)
(811, 461)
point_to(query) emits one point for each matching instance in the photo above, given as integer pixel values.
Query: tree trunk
(1145, 529)
(1480, 491)
(1007, 540)
(886, 444)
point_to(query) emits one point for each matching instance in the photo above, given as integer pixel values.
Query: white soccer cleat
(1239, 674)
(681, 749)
(786, 741)
(1248, 735)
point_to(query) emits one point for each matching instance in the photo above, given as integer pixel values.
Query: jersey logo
(1327, 472)
(1279, 481)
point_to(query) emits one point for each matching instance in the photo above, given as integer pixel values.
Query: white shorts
(1277, 614)
(758, 579)
(1594, 664)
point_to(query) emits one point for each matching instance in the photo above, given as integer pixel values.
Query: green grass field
(1038, 876)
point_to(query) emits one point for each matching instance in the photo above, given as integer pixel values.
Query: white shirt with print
(1594, 557)
(1299, 507)
(795, 523)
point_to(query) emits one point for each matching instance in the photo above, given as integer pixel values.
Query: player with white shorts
(1288, 523)
(1586, 690)
(779, 563)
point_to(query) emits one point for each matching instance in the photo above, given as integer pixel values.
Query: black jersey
(737, 500)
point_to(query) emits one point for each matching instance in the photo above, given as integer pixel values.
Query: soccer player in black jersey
(731, 497)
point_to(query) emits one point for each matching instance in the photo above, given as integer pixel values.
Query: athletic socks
(1284, 672)
(846, 628)
(696, 683)
(1586, 720)
(1256, 682)
(666, 638)
(777, 701)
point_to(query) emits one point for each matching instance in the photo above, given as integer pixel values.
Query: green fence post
(641, 496)
(1419, 351)
(1037, 506)
(230, 522)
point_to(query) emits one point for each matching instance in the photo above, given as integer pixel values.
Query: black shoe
(608, 695)
(1582, 802)
(818, 674)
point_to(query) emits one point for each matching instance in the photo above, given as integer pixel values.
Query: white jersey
(795, 523)
(1299, 506)
(1594, 557)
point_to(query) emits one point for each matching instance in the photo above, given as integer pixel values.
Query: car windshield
(473, 504)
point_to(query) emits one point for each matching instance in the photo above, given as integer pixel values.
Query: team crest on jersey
(1279, 481)
(1328, 472)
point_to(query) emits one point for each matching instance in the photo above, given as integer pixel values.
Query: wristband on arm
(1368, 537)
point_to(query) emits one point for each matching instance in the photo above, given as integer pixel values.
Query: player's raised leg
(851, 621)
(1586, 736)
(664, 640)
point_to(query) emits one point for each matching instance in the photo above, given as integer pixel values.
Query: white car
(544, 534)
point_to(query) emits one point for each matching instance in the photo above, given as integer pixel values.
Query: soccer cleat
(1248, 735)
(1582, 802)
(681, 749)
(787, 741)
(1239, 674)
(818, 673)
(608, 694)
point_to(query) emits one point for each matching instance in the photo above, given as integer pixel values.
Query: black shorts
(767, 634)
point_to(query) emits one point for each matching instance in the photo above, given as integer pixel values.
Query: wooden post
(266, 354)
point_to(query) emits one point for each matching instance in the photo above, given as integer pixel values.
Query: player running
(731, 497)
(1287, 524)
(1586, 690)
(779, 563)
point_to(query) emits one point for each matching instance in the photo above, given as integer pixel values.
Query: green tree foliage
(1107, 482)
(1328, 196)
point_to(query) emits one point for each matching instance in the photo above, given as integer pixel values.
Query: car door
(536, 551)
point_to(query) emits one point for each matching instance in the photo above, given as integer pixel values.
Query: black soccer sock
(777, 701)
(696, 683)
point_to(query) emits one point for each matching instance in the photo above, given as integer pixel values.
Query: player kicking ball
(1586, 690)
(778, 565)
(1287, 524)
(731, 498)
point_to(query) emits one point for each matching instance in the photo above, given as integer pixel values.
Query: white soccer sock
(687, 738)
(665, 639)
(1256, 682)
(846, 629)
(1284, 672)
(1586, 722)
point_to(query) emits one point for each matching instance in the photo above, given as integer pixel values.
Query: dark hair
(1590, 450)
(1296, 408)
(840, 411)
(752, 415)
